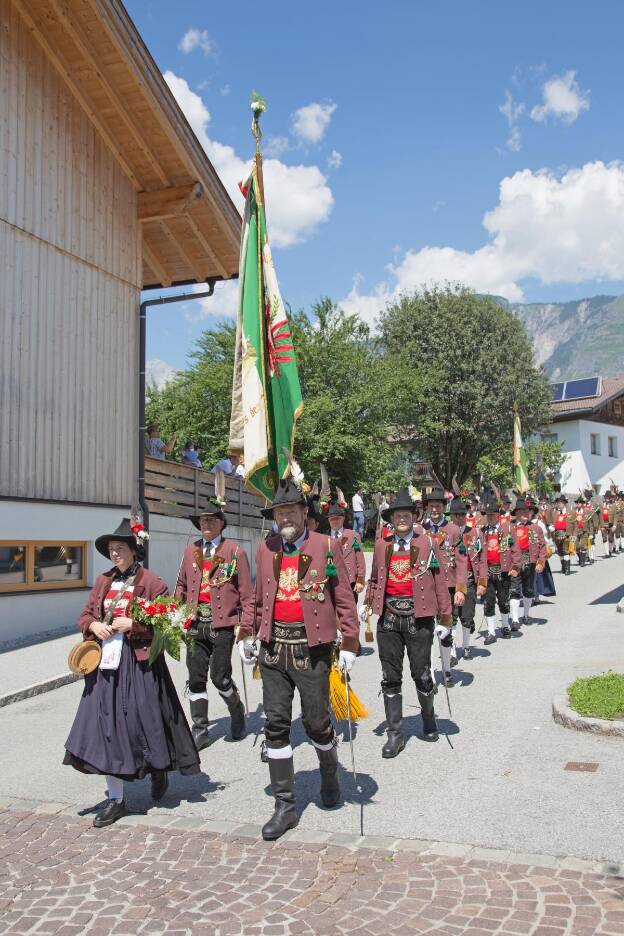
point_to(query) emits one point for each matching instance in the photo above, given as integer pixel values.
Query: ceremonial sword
(448, 700)
(346, 679)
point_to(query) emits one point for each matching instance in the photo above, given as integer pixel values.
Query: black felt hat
(125, 535)
(490, 505)
(212, 509)
(403, 501)
(524, 503)
(337, 509)
(436, 493)
(458, 506)
(287, 493)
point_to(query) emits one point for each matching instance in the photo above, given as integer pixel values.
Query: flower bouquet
(170, 619)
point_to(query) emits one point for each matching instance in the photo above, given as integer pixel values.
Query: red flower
(187, 623)
(137, 527)
(172, 607)
(150, 609)
(161, 608)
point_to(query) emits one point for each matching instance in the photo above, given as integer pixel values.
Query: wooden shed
(104, 191)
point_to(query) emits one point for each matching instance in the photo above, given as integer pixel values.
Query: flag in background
(266, 394)
(521, 470)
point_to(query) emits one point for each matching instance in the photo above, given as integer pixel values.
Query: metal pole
(161, 300)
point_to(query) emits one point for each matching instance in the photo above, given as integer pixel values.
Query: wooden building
(104, 191)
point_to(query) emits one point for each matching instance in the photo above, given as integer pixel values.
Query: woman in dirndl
(130, 722)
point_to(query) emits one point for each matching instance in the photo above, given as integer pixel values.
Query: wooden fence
(176, 490)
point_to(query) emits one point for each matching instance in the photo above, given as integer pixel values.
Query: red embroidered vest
(399, 582)
(288, 606)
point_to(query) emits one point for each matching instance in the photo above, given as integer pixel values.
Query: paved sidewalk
(59, 875)
(39, 661)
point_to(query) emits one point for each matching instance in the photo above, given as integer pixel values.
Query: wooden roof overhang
(191, 229)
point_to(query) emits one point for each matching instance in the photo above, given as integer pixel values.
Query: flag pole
(258, 106)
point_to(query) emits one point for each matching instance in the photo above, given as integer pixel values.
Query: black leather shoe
(394, 717)
(160, 783)
(467, 653)
(430, 728)
(114, 810)
(506, 632)
(489, 639)
(449, 682)
(515, 626)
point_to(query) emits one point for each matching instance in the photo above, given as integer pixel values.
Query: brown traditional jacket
(453, 561)
(476, 555)
(551, 518)
(536, 552)
(146, 584)
(231, 591)
(353, 557)
(510, 555)
(429, 586)
(321, 617)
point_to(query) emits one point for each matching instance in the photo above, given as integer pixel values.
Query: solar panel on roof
(580, 389)
(557, 391)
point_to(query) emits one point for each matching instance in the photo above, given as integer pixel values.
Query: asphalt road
(501, 784)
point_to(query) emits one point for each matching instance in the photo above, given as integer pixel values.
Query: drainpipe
(162, 300)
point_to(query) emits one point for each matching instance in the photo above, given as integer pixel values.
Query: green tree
(544, 461)
(465, 361)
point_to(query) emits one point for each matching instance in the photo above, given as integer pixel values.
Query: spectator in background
(357, 504)
(154, 445)
(230, 465)
(190, 455)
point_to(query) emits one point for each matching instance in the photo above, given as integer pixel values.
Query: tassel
(338, 698)
(369, 637)
(256, 674)
(462, 550)
(356, 545)
(434, 565)
(330, 568)
(510, 541)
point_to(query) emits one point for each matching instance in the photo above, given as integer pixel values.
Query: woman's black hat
(287, 493)
(125, 535)
(403, 501)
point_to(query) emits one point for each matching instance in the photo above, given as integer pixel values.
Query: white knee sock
(514, 604)
(457, 637)
(491, 626)
(504, 619)
(466, 637)
(527, 606)
(446, 658)
(114, 788)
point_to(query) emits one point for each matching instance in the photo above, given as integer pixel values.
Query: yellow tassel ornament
(338, 697)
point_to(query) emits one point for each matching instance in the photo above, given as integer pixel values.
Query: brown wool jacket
(354, 558)
(146, 584)
(429, 588)
(454, 564)
(231, 594)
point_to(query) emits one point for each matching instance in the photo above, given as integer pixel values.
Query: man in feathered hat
(503, 566)
(302, 594)
(618, 532)
(607, 523)
(214, 577)
(471, 546)
(454, 566)
(530, 539)
(408, 590)
(349, 541)
(582, 536)
(562, 523)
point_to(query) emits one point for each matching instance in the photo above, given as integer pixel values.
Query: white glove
(551, 528)
(442, 631)
(338, 636)
(247, 651)
(364, 613)
(346, 660)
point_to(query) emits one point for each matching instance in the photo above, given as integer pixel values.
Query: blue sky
(394, 110)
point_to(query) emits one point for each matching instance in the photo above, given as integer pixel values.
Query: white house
(588, 418)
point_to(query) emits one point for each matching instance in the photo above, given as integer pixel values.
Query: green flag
(266, 395)
(521, 470)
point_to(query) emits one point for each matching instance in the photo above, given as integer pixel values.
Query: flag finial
(258, 107)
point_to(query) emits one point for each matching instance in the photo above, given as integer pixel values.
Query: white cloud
(276, 146)
(334, 160)
(309, 123)
(225, 90)
(563, 99)
(222, 304)
(512, 111)
(551, 228)
(158, 373)
(298, 197)
(196, 39)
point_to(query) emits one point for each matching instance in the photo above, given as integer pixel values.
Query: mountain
(576, 339)
(158, 373)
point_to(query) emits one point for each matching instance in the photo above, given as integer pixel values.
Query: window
(549, 438)
(613, 447)
(594, 443)
(40, 565)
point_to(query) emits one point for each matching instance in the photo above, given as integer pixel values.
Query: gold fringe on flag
(338, 697)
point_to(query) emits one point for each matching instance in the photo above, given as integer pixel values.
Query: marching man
(302, 594)
(472, 547)
(530, 539)
(408, 590)
(214, 577)
(503, 565)
(454, 566)
(350, 543)
(562, 524)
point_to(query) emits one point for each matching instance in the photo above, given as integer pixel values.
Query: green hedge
(598, 696)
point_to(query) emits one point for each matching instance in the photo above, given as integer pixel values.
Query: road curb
(47, 685)
(566, 716)
(298, 838)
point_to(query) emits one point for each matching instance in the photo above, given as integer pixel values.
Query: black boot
(282, 771)
(113, 811)
(394, 717)
(237, 714)
(330, 788)
(199, 717)
(430, 728)
(160, 782)
(566, 566)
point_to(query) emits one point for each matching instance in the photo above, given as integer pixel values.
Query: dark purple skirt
(130, 722)
(545, 583)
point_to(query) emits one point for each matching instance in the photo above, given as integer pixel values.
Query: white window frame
(594, 443)
(612, 446)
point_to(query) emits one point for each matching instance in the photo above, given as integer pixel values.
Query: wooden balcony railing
(176, 490)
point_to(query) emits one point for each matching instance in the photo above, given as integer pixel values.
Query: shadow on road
(610, 597)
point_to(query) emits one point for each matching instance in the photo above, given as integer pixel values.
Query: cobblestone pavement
(60, 875)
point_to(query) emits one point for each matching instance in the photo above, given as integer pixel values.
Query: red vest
(580, 518)
(493, 549)
(605, 514)
(523, 537)
(399, 576)
(561, 522)
(288, 607)
(204, 588)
